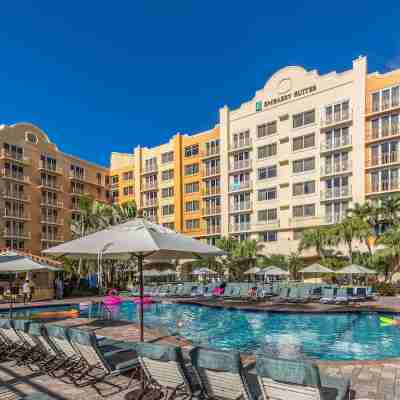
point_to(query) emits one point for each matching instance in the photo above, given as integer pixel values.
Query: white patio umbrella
(355, 269)
(275, 271)
(204, 271)
(252, 271)
(140, 239)
(316, 269)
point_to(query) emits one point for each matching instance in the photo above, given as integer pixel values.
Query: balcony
(16, 234)
(383, 187)
(241, 144)
(14, 156)
(211, 229)
(211, 210)
(238, 186)
(338, 118)
(336, 168)
(51, 238)
(150, 186)
(150, 169)
(76, 177)
(17, 196)
(385, 159)
(327, 147)
(51, 203)
(150, 203)
(269, 224)
(16, 214)
(8, 174)
(50, 185)
(210, 191)
(210, 152)
(51, 221)
(336, 193)
(382, 107)
(240, 206)
(374, 135)
(239, 227)
(240, 165)
(211, 171)
(50, 169)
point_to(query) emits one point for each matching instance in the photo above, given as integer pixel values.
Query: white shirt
(26, 288)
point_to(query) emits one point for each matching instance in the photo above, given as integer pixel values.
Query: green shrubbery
(386, 289)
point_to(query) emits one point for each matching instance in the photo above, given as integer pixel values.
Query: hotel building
(296, 156)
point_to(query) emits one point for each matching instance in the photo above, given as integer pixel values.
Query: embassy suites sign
(260, 105)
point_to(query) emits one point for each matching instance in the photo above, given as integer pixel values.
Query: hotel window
(267, 151)
(127, 176)
(98, 178)
(77, 171)
(241, 139)
(303, 142)
(337, 137)
(167, 192)
(192, 224)
(168, 209)
(191, 169)
(302, 188)
(114, 195)
(306, 210)
(267, 215)
(212, 147)
(267, 172)
(267, 194)
(169, 225)
(270, 128)
(192, 206)
(192, 187)
(303, 165)
(107, 180)
(114, 179)
(167, 157)
(376, 100)
(150, 164)
(192, 150)
(268, 236)
(46, 161)
(167, 175)
(128, 190)
(304, 118)
(337, 112)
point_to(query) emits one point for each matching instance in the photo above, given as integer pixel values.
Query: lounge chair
(342, 296)
(164, 369)
(288, 379)
(13, 346)
(328, 296)
(220, 373)
(99, 364)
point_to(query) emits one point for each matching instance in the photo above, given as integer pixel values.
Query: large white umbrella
(316, 269)
(252, 271)
(204, 271)
(355, 269)
(14, 262)
(275, 271)
(140, 239)
(266, 269)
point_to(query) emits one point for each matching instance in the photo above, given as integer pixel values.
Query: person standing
(26, 291)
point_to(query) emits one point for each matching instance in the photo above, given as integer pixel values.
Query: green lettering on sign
(258, 105)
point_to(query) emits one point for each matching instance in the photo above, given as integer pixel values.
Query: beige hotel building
(295, 156)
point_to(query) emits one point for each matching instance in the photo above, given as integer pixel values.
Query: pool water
(339, 336)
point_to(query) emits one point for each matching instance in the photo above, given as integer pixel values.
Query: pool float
(218, 291)
(146, 300)
(387, 321)
(57, 314)
(112, 299)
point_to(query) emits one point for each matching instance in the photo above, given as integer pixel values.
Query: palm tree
(247, 252)
(390, 210)
(390, 241)
(123, 212)
(294, 264)
(351, 228)
(317, 238)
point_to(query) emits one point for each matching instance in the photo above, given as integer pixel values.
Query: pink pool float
(146, 300)
(112, 299)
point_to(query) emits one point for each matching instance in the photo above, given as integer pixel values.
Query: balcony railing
(16, 234)
(333, 218)
(240, 206)
(51, 220)
(335, 145)
(210, 171)
(236, 186)
(10, 195)
(384, 186)
(385, 159)
(210, 152)
(240, 144)
(52, 203)
(14, 156)
(338, 117)
(382, 106)
(46, 237)
(50, 185)
(336, 192)
(382, 133)
(241, 164)
(76, 176)
(211, 190)
(150, 203)
(150, 185)
(50, 168)
(16, 214)
(211, 210)
(150, 168)
(8, 174)
(239, 227)
(268, 224)
(336, 168)
(210, 229)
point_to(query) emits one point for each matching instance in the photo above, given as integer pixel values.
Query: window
(150, 164)
(307, 210)
(303, 165)
(304, 118)
(31, 137)
(267, 129)
(192, 150)
(98, 178)
(268, 236)
(114, 195)
(192, 187)
(114, 179)
(267, 172)
(128, 190)
(303, 188)
(167, 192)
(168, 209)
(46, 161)
(127, 176)
(267, 215)
(212, 147)
(107, 180)
(169, 225)
(376, 97)
(303, 142)
(167, 175)
(267, 151)
(167, 157)
(337, 112)
(77, 171)
(191, 169)
(267, 194)
(192, 206)
(192, 224)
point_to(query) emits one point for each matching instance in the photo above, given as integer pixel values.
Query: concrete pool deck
(375, 380)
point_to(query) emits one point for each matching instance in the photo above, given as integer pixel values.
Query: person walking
(26, 291)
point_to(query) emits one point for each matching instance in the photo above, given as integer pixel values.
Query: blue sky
(106, 76)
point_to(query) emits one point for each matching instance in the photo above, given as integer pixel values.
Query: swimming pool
(330, 337)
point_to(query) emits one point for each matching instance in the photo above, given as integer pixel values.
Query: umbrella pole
(141, 289)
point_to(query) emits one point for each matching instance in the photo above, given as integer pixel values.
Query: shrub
(386, 289)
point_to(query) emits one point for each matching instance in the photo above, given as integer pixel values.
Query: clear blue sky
(102, 76)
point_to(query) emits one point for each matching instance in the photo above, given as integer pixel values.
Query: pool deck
(375, 380)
